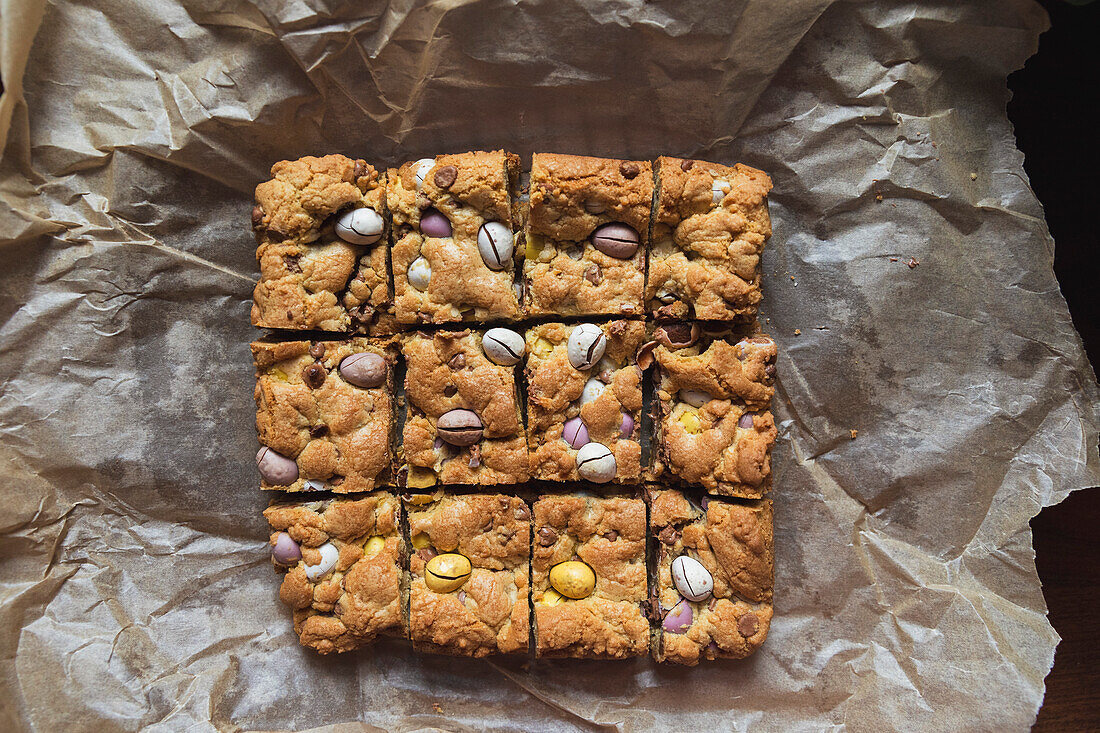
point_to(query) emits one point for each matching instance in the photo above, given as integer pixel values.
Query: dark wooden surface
(1054, 96)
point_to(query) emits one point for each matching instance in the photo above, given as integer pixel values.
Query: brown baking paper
(908, 283)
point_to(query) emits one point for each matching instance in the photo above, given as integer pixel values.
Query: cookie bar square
(322, 238)
(325, 414)
(468, 575)
(586, 237)
(714, 428)
(714, 569)
(454, 257)
(588, 576)
(462, 423)
(709, 229)
(577, 398)
(343, 560)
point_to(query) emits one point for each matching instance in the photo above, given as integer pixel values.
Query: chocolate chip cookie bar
(325, 414)
(454, 257)
(343, 560)
(586, 236)
(462, 423)
(584, 401)
(588, 576)
(714, 428)
(468, 575)
(321, 229)
(712, 589)
(709, 229)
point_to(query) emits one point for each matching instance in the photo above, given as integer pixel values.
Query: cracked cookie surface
(608, 534)
(357, 543)
(734, 543)
(570, 196)
(709, 230)
(489, 612)
(337, 433)
(306, 270)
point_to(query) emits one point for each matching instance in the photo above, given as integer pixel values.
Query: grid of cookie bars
(514, 413)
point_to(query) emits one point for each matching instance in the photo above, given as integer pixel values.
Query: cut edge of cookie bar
(570, 407)
(721, 213)
(334, 452)
(507, 461)
(567, 529)
(722, 444)
(492, 531)
(342, 559)
(571, 196)
(464, 193)
(311, 271)
(735, 549)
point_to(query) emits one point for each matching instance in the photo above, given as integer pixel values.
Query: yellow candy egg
(421, 540)
(690, 420)
(551, 598)
(573, 579)
(374, 546)
(447, 572)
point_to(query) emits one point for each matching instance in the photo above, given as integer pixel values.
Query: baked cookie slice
(462, 423)
(454, 254)
(588, 576)
(709, 228)
(322, 233)
(325, 414)
(468, 574)
(342, 560)
(712, 391)
(584, 401)
(714, 573)
(586, 237)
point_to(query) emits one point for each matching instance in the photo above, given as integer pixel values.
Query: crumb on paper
(798, 332)
(973, 176)
(913, 262)
(878, 197)
(893, 259)
(437, 708)
(853, 433)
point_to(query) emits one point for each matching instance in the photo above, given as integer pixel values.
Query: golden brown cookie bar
(462, 424)
(325, 414)
(709, 230)
(714, 428)
(468, 575)
(587, 231)
(598, 401)
(343, 560)
(714, 574)
(321, 228)
(454, 257)
(594, 612)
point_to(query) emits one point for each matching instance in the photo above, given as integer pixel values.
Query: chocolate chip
(291, 262)
(611, 536)
(748, 625)
(593, 274)
(547, 536)
(668, 535)
(770, 371)
(426, 553)
(317, 350)
(475, 455)
(314, 375)
(450, 390)
(686, 165)
(275, 235)
(522, 512)
(713, 603)
(629, 169)
(360, 169)
(318, 431)
(422, 201)
(446, 176)
(458, 361)
(257, 216)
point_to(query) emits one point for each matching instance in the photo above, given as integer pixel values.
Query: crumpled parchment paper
(909, 285)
